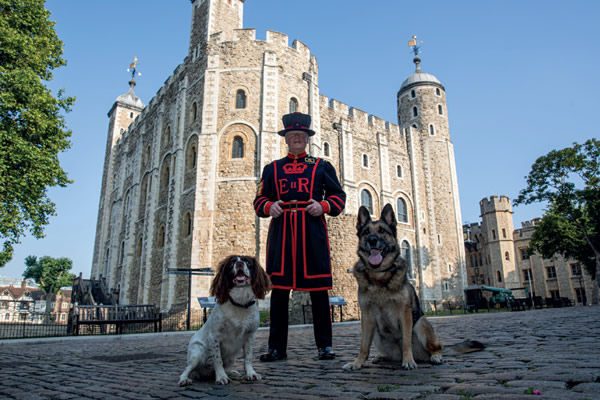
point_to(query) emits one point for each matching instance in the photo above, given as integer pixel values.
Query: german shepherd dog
(391, 314)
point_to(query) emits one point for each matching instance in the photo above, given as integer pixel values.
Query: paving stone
(530, 349)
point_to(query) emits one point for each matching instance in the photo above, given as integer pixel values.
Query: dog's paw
(409, 364)
(436, 359)
(222, 379)
(378, 358)
(185, 382)
(233, 373)
(252, 376)
(353, 366)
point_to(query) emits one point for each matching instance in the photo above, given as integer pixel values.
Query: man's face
(296, 141)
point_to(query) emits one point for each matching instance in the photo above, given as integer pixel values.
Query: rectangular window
(581, 297)
(527, 275)
(504, 233)
(576, 269)
(551, 272)
(493, 234)
(524, 255)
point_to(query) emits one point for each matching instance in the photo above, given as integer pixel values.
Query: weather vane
(132, 68)
(414, 45)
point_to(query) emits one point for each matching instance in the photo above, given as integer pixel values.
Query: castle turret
(122, 113)
(497, 225)
(422, 117)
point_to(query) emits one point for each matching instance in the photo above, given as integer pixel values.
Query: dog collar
(250, 303)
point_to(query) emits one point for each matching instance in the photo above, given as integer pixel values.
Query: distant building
(28, 304)
(496, 255)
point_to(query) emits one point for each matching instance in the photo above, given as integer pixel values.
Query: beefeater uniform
(298, 256)
(298, 246)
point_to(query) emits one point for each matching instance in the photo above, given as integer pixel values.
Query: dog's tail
(468, 346)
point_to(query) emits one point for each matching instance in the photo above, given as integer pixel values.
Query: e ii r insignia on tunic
(310, 160)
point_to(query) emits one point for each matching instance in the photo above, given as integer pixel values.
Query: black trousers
(278, 329)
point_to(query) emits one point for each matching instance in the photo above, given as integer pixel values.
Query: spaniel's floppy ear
(261, 283)
(220, 285)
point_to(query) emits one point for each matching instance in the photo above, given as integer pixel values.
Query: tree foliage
(48, 272)
(32, 130)
(569, 180)
(51, 274)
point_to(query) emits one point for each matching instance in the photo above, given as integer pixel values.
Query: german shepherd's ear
(364, 217)
(389, 217)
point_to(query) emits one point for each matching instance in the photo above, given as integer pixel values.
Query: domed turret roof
(129, 98)
(419, 77)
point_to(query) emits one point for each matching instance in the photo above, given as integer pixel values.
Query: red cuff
(326, 206)
(267, 207)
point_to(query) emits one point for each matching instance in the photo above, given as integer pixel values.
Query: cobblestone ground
(553, 351)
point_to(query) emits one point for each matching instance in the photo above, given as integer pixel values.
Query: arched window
(194, 112)
(237, 149)
(240, 99)
(438, 92)
(415, 112)
(506, 256)
(326, 149)
(164, 179)
(366, 200)
(406, 255)
(399, 171)
(131, 115)
(191, 157)
(431, 130)
(161, 236)
(365, 161)
(402, 214)
(413, 94)
(293, 105)
(440, 110)
(499, 275)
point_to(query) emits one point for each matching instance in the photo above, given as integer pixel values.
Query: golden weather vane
(132, 68)
(414, 45)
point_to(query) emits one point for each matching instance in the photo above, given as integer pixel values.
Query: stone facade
(497, 256)
(180, 176)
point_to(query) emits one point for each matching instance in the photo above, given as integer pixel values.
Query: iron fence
(171, 321)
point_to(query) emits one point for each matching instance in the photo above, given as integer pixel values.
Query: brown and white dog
(232, 324)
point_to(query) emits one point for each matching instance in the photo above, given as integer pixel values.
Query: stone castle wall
(177, 198)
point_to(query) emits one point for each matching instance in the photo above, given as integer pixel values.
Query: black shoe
(325, 353)
(272, 355)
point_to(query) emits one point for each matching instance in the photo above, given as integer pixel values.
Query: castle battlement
(495, 204)
(344, 110)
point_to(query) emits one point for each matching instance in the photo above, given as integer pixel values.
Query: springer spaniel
(232, 324)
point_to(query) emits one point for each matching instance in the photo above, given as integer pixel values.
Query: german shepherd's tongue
(375, 258)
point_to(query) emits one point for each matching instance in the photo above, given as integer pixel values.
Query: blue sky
(521, 79)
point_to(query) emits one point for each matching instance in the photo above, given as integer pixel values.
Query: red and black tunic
(297, 245)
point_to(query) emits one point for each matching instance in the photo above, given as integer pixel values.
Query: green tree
(32, 130)
(51, 274)
(569, 180)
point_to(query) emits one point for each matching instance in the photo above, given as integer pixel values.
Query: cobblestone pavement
(553, 351)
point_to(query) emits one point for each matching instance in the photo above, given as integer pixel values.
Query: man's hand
(275, 210)
(314, 208)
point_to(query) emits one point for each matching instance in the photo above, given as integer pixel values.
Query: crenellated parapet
(495, 204)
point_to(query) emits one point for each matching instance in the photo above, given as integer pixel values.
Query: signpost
(189, 272)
